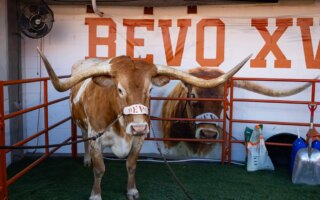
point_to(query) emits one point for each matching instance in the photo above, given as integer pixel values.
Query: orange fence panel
(226, 140)
(233, 99)
(4, 182)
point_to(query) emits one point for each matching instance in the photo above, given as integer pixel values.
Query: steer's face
(205, 109)
(132, 83)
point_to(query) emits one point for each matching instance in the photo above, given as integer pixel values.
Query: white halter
(136, 109)
(207, 116)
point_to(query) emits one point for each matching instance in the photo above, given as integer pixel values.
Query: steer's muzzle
(207, 131)
(137, 129)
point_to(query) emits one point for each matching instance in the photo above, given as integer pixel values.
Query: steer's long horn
(257, 88)
(67, 83)
(188, 78)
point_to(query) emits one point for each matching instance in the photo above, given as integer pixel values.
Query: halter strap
(136, 109)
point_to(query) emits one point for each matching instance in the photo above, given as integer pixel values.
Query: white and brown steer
(104, 89)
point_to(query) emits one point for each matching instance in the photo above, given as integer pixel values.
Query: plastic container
(316, 144)
(298, 144)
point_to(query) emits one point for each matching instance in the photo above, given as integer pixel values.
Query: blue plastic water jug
(298, 144)
(316, 144)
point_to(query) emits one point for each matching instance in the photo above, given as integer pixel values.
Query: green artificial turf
(61, 178)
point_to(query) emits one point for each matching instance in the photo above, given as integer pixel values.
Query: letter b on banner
(94, 40)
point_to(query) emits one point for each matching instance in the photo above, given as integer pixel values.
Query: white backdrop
(69, 41)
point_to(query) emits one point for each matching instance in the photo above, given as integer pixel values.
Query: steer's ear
(160, 80)
(103, 80)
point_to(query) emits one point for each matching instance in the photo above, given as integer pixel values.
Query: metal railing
(226, 141)
(252, 100)
(5, 182)
(223, 141)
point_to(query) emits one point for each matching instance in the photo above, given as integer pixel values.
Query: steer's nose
(208, 134)
(207, 131)
(139, 128)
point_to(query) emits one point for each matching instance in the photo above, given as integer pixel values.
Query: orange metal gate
(5, 182)
(223, 141)
(252, 100)
(226, 141)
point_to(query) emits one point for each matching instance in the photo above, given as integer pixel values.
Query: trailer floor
(65, 178)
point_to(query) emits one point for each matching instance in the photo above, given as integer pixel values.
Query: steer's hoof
(95, 197)
(133, 194)
(87, 161)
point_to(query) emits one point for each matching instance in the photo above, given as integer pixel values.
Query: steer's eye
(120, 91)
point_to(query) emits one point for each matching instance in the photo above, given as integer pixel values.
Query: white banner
(284, 41)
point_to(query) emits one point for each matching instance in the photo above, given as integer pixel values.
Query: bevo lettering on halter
(136, 109)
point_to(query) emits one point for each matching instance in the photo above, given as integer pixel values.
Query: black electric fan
(36, 20)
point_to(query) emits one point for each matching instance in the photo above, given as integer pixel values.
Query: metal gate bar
(232, 100)
(226, 142)
(223, 141)
(4, 182)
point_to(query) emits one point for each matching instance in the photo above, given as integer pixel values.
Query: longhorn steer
(103, 90)
(204, 110)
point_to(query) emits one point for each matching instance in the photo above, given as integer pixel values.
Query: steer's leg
(98, 169)
(87, 157)
(132, 192)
